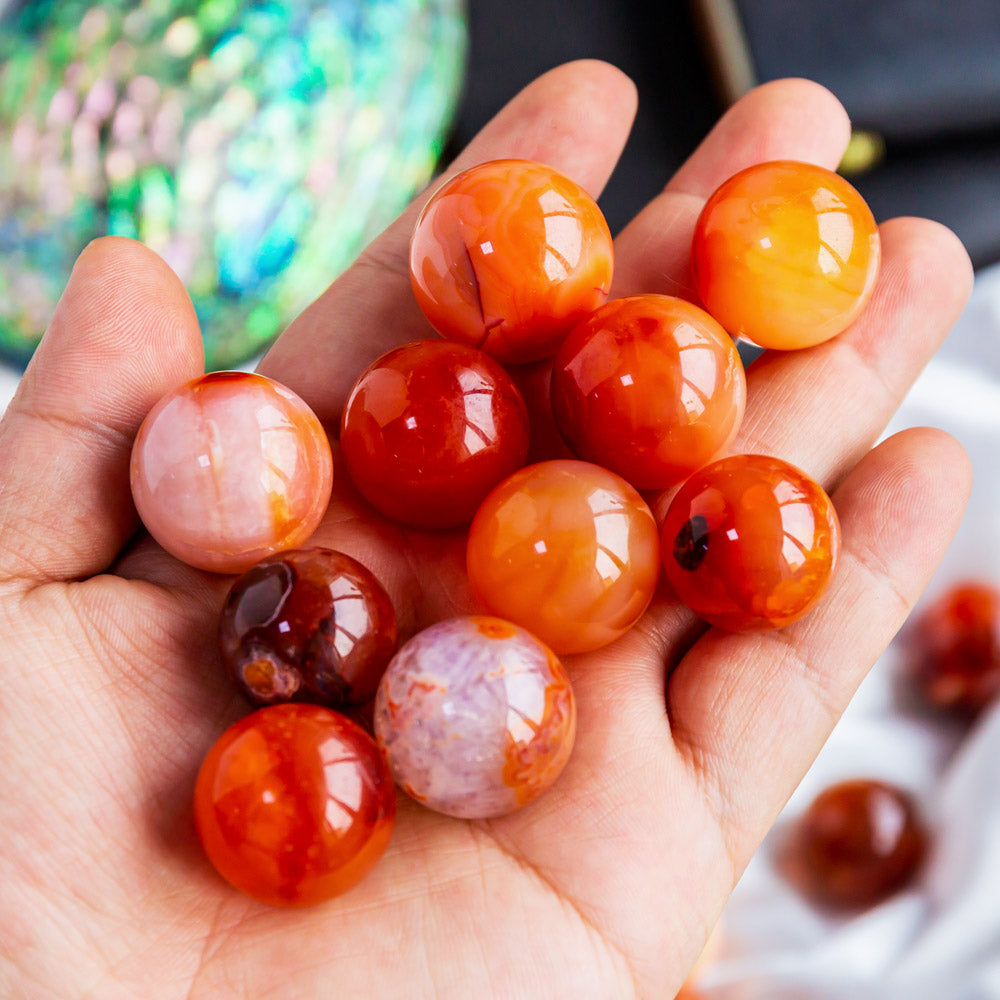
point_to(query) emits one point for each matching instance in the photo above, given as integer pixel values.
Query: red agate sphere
(429, 429)
(508, 256)
(955, 649)
(750, 542)
(650, 387)
(857, 844)
(294, 804)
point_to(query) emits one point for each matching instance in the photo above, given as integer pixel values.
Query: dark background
(948, 174)
(510, 43)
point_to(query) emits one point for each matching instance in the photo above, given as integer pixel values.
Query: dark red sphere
(857, 844)
(308, 625)
(429, 429)
(955, 649)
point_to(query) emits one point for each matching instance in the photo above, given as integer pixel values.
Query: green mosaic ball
(256, 146)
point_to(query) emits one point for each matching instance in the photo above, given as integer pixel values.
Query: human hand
(607, 886)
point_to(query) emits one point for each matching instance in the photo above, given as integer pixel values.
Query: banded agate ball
(568, 551)
(229, 468)
(429, 429)
(750, 543)
(476, 716)
(650, 387)
(856, 845)
(308, 624)
(508, 256)
(294, 804)
(785, 254)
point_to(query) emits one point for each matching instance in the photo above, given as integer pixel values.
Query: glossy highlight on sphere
(476, 716)
(568, 551)
(308, 624)
(859, 843)
(954, 647)
(785, 254)
(750, 543)
(650, 387)
(508, 256)
(230, 468)
(294, 804)
(429, 429)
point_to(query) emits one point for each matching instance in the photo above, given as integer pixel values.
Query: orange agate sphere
(568, 551)
(650, 387)
(294, 804)
(508, 256)
(229, 468)
(785, 254)
(750, 543)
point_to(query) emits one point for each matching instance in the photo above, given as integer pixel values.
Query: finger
(575, 118)
(123, 333)
(751, 712)
(783, 120)
(802, 121)
(821, 409)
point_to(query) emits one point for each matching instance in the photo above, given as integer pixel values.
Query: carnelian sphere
(568, 551)
(750, 543)
(229, 468)
(785, 254)
(294, 804)
(429, 429)
(650, 387)
(858, 843)
(508, 256)
(477, 717)
(954, 646)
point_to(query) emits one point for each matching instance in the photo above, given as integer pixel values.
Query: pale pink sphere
(230, 468)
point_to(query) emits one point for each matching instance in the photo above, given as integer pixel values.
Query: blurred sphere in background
(256, 146)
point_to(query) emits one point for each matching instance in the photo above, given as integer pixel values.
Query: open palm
(689, 740)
